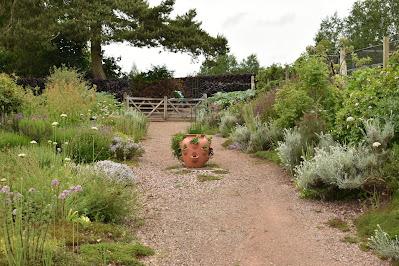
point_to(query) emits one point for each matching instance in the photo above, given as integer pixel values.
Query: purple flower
(64, 194)
(55, 183)
(77, 188)
(5, 189)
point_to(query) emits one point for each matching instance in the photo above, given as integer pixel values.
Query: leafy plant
(382, 243)
(241, 135)
(175, 144)
(125, 149)
(11, 95)
(36, 129)
(291, 149)
(195, 141)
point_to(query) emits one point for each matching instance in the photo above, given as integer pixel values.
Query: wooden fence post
(343, 70)
(252, 82)
(385, 52)
(165, 107)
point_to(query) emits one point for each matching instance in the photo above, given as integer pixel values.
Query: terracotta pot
(196, 150)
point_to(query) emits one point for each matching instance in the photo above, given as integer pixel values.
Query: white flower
(22, 155)
(350, 119)
(66, 143)
(55, 124)
(376, 144)
(54, 143)
(356, 104)
(94, 128)
(3, 180)
(50, 141)
(33, 142)
(67, 159)
(63, 115)
(370, 107)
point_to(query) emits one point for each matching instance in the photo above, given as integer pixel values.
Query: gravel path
(253, 216)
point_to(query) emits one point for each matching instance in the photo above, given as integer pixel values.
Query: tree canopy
(228, 64)
(98, 23)
(366, 25)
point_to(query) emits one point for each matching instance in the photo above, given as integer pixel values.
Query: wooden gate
(165, 108)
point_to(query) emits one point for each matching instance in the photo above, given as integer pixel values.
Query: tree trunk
(97, 59)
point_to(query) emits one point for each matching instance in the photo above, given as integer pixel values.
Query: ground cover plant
(57, 206)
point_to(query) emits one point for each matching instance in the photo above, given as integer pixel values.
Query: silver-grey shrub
(265, 137)
(291, 149)
(376, 133)
(241, 135)
(384, 245)
(117, 172)
(345, 167)
(227, 123)
(125, 149)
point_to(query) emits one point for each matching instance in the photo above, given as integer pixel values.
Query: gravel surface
(252, 216)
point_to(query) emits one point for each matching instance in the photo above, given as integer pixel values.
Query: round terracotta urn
(196, 150)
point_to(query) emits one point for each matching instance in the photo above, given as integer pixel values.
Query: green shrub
(36, 129)
(89, 145)
(310, 126)
(370, 93)
(11, 95)
(291, 103)
(9, 139)
(103, 200)
(175, 144)
(263, 105)
(377, 135)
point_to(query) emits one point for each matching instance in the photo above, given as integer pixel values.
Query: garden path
(253, 216)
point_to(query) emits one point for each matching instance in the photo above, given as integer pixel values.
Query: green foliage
(104, 201)
(269, 155)
(311, 126)
(330, 32)
(338, 224)
(263, 105)
(270, 75)
(115, 253)
(227, 99)
(36, 129)
(265, 136)
(9, 139)
(386, 217)
(227, 64)
(11, 95)
(227, 123)
(89, 145)
(241, 135)
(371, 93)
(291, 104)
(175, 144)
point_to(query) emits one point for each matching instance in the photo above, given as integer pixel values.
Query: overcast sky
(277, 31)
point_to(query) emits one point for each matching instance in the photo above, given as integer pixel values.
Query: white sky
(277, 31)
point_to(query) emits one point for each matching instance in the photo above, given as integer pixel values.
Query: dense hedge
(190, 86)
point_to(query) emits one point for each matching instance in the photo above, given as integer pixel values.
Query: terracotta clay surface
(195, 150)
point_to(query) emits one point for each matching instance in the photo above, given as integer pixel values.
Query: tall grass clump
(67, 93)
(131, 123)
(9, 139)
(227, 123)
(89, 144)
(241, 135)
(36, 129)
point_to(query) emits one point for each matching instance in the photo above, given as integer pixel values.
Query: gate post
(385, 52)
(343, 70)
(165, 107)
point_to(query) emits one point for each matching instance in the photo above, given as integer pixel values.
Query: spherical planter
(196, 150)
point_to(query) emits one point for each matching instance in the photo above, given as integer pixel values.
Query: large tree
(228, 64)
(138, 23)
(31, 27)
(330, 32)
